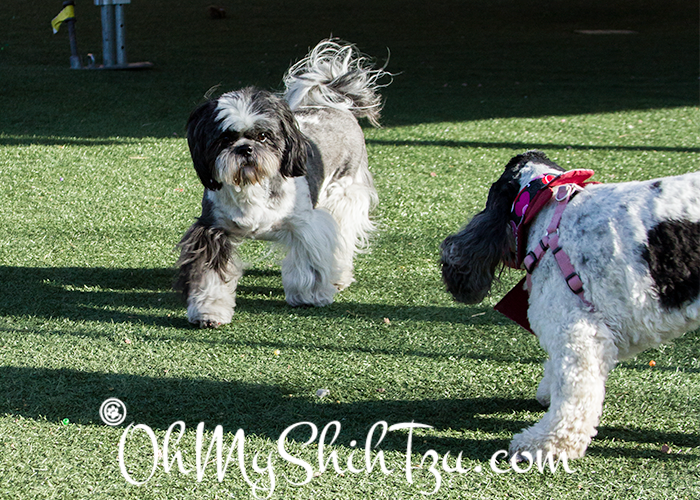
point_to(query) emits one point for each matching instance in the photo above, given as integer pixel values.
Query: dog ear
(470, 258)
(296, 147)
(202, 133)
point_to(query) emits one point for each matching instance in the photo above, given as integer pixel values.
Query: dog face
(471, 257)
(245, 137)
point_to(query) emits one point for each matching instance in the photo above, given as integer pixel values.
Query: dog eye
(229, 136)
(262, 137)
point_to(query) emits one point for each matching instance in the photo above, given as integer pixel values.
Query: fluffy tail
(336, 75)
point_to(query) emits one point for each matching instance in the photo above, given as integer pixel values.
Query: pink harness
(551, 240)
(530, 200)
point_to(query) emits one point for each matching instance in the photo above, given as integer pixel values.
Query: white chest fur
(257, 211)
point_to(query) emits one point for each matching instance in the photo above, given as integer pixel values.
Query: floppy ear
(296, 146)
(202, 139)
(470, 257)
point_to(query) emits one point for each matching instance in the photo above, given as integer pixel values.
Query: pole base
(131, 66)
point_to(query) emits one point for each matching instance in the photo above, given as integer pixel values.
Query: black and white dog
(290, 169)
(613, 269)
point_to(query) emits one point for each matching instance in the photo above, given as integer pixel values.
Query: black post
(70, 22)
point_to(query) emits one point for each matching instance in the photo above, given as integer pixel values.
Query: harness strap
(551, 240)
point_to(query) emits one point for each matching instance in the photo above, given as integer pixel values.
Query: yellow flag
(67, 13)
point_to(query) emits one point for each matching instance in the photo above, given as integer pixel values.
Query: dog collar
(531, 199)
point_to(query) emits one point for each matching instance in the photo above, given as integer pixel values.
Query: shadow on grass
(453, 60)
(265, 411)
(524, 145)
(96, 294)
(62, 141)
(90, 294)
(144, 297)
(258, 409)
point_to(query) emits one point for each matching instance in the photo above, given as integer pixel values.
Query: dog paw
(210, 314)
(318, 297)
(208, 320)
(301, 305)
(529, 443)
(208, 323)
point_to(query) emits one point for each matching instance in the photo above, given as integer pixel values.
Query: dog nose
(243, 150)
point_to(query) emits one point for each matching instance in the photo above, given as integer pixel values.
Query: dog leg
(350, 202)
(581, 356)
(544, 389)
(209, 274)
(309, 270)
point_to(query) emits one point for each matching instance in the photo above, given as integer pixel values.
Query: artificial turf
(97, 188)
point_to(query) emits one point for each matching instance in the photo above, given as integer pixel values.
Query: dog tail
(336, 75)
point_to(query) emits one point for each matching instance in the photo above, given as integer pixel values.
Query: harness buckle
(575, 283)
(530, 262)
(565, 191)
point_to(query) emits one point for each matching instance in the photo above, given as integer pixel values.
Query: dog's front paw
(307, 300)
(207, 323)
(210, 308)
(209, 319)
(319, 295)
(532, 441)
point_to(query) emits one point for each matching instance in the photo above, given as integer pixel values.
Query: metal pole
(74, 57)
(107, 12)
(120, 38)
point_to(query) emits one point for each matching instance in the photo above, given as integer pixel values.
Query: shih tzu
(612, 269)
(288, 168)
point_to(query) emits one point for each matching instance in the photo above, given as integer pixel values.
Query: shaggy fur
(636, 247)
(291, 169)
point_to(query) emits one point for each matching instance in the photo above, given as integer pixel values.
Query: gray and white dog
(635, 248)
(288, 168)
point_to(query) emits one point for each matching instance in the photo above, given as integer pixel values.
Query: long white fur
(306, 81)
(350, 201)
(212, 298)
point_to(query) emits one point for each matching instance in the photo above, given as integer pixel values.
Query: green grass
(97, 188)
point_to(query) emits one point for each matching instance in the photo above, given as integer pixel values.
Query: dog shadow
(258, 409)
(104, 294)
(92, 294)
(267, 410)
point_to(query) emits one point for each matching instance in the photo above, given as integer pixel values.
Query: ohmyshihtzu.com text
(218, 457)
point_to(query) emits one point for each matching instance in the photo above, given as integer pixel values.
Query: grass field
(97, 188)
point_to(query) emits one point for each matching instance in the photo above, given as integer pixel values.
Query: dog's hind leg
(309, 270)
(582, 353)
(350, 202)
(209, 274)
